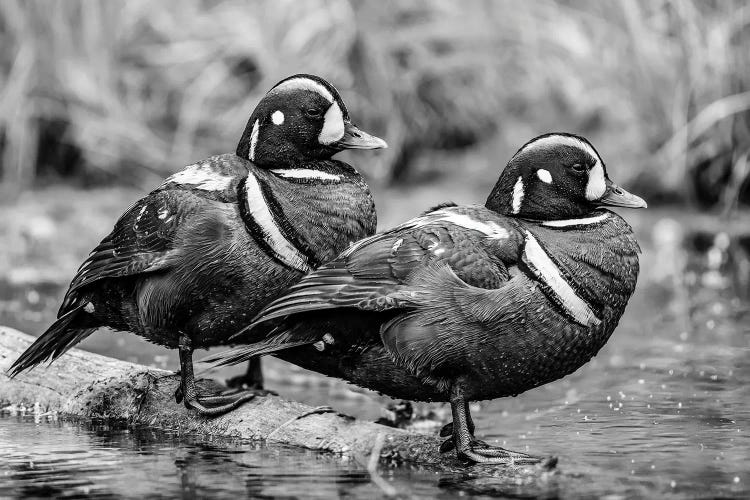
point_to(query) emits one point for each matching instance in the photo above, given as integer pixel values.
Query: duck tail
(53, 343)
(270, 345)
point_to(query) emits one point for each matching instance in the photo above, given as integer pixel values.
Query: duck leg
(470, 448)
(252, 379)
(208, 405)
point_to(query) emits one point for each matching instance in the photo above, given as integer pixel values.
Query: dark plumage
(466, 302)
(193, 261)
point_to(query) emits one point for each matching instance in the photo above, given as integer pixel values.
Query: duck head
(301, 119)
(557, 176)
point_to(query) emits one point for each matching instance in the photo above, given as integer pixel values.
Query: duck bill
(615, 196)
(354, 138)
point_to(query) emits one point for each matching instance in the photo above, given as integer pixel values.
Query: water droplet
(673, 484)
(736, 479)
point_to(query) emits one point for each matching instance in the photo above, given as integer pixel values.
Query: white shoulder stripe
(305, 173)
(575, 222)
(546, 271)
(259, 211)
(202, 176)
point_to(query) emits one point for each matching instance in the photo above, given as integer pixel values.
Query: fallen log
(90, 386)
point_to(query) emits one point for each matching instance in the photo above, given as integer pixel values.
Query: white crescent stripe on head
(202, 176)
(305, 173)
(253, 140)
(285, 251)
(575, 222)
(596, 185)
(333, 125)
(517, 195)
(561, 140)
(302, 83)
(547, 272)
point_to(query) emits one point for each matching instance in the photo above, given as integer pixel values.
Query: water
(662, 411)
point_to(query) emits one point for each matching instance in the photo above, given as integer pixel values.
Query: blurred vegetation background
(102, 93)
(100, 100)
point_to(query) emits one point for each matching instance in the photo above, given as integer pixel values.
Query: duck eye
(313, 112)
(578, 167)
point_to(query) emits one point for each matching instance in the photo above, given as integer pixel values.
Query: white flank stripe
(305, 173)
(202, 176)
(259, 211)
(546, 270)
(517, 195)
(303, 84)
(333, 125)
(596, 186)
(254, 140)
(575, 222)
(491, 229)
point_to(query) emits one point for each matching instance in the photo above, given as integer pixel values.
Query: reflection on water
(662, 411)
(66, 460)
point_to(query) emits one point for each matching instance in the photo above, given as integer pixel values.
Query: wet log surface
(89, 386)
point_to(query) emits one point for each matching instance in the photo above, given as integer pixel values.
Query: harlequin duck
(467, 303)
(189, 264)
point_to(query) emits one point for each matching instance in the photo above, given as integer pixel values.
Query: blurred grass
(127, 92)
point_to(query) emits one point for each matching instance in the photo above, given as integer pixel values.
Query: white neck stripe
(575, 222)
(284, 250)
(305, 173)
(254, 140)
(303, 84)
(546, 271)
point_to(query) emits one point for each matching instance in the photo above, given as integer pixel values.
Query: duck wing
(144, 239)
(376, 273)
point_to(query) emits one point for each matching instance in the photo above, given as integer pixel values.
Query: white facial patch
(302, 83)
(254, 140)
(517, 196)
(544, 176)
(284, 250)
(546, 271)
(305, 173)
(596, 185)
(202, 176)
(333, 125)
(277, 117)
(586, 221)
